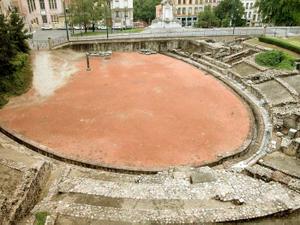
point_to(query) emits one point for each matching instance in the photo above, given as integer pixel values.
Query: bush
(19, 81)
(280, 43)
(275, 59)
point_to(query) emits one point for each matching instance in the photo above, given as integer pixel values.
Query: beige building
(41, 13)
(5, 7)
(187, 10)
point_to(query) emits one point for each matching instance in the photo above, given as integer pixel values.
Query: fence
(194, 32)
(176, 33)
(46, 44)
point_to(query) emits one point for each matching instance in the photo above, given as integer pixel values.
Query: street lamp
(66, 21)
(106, 16)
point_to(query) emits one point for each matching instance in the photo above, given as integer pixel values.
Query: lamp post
(107, 10)
(66, 21)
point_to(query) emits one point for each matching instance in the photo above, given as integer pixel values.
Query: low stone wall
(128, 45)
(27, 194)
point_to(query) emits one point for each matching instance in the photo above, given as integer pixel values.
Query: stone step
(221, 183)
(112, 176)
(165, 216)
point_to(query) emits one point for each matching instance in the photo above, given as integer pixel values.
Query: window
(44, 18)
(42, 4)
(190, 10)
(196, 10)
(183, 11)
(178, 11)
(179, 2)
(251, 5)
(191, 2)
(31, 5)
(249, 15)
(52, 4)
(54, 18)
(247, 5)
(117, 14)
(183, 1)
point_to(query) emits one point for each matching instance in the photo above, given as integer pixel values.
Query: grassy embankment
(285, 51)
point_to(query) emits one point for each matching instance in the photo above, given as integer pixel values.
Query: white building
(122, 13)
(188, 10)
(252, 16)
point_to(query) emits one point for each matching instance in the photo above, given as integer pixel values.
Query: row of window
(249, 16)
(32, 6)
(184, 11)
(118, 14)
(54, 19)
(248, 5)
(196, 2)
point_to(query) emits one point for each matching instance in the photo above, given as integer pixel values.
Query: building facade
(122, 13)
(41, 13)
(252, 16)
(5, 7)
(187, 10)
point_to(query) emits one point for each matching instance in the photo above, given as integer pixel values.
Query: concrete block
(292, 133)
(202, 177)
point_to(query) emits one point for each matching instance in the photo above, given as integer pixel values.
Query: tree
(87, 12)
(15, 72)
(207, 18)
(232, 11)
(144, 10)
(18, 35)
(279, 12)
(7, 49)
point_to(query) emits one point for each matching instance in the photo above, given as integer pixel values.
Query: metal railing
(177, 33)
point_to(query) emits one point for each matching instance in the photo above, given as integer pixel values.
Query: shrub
(280, 43)
(20, 79)
(275, 59)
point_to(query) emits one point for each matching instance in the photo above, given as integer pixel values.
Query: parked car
(46, 27)
(101, 27)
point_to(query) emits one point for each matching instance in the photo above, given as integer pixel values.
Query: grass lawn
(103, 32)
(293, 40)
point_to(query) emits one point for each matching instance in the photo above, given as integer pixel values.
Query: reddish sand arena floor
(135, 111)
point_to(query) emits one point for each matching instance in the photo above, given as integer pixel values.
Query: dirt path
(133, 110)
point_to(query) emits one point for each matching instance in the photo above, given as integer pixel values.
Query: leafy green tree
(144, 10)
(87, 12)
(207, 18)
(232, 11)
(280, 12)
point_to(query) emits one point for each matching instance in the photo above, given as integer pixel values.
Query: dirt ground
(130, 111)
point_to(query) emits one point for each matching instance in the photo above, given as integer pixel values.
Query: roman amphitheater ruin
(157, 131)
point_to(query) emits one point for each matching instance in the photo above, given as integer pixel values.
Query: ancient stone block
(292, 132)
(202, 177)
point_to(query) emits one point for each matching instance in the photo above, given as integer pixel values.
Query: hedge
(280, 43)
